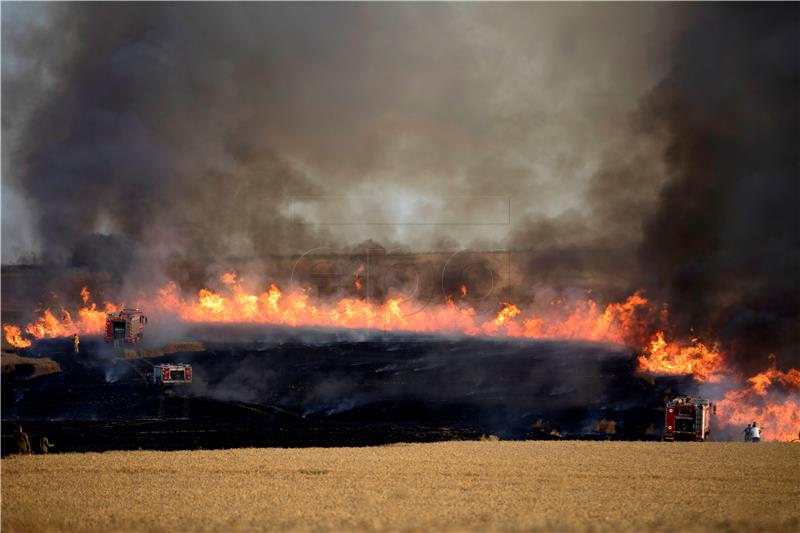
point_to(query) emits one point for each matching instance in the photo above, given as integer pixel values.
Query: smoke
(633, 146)
(500, 385)
(699, 208)
(204, 130)
(723, 245)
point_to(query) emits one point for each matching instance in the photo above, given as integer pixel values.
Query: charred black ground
(325, 388)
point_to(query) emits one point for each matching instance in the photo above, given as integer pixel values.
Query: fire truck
(688, 418)
(126, 326)
(171, 373)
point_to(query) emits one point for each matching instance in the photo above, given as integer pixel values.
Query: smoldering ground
(355, 378)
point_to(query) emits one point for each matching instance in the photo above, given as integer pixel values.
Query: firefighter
(748, 433)
(45, 445)
(755, 433)
(76, 341)
(23, 442)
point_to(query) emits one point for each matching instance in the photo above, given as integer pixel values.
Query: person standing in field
(755, 432)
(23, 442)
(748, 433)
(45, 445)
(76, 341)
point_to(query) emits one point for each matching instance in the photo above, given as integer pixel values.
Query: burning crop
(59, 322)
(232, 303)
(770, 397)
(14, 336)
(704, 363)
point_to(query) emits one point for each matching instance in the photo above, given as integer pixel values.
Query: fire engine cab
(125, 326)
(171, 373)
(688, 418)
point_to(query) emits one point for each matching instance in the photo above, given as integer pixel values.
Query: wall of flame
(772, 397)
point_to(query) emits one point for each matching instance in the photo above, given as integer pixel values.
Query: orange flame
(506, 314)
(14, 337)
(236, 304)
(60, 323)
(357, 282)
(463, 289)
(704, 363)
(771, 398)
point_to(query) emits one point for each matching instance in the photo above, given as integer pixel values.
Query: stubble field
(552, 486)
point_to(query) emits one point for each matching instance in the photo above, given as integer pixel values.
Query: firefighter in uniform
(23, 442)
(76, 341)
(45, 445)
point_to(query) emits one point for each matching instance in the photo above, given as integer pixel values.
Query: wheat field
(549, 486)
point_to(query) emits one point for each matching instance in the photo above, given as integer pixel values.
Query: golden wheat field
(552, 486)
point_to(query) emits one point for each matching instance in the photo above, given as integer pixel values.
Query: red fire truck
(688, 418)
(126, 326)
(171, 373)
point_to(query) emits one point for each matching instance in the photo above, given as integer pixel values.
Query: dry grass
(446, 486)
(27, 366)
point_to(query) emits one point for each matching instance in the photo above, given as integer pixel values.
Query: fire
(771, 398)
(232, 302)
(508, 312)
(357, 282)
(704, 363)
(14, 337)
(59, 322)
(621, 323)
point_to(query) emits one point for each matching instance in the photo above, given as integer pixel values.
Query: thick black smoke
(138, 137)
(723, 245)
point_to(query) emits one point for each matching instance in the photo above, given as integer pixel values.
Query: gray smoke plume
(206, 130)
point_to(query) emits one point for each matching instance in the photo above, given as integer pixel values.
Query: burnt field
(265, 386)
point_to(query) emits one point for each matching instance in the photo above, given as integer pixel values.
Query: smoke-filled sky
(223, 128)
(657, 142)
